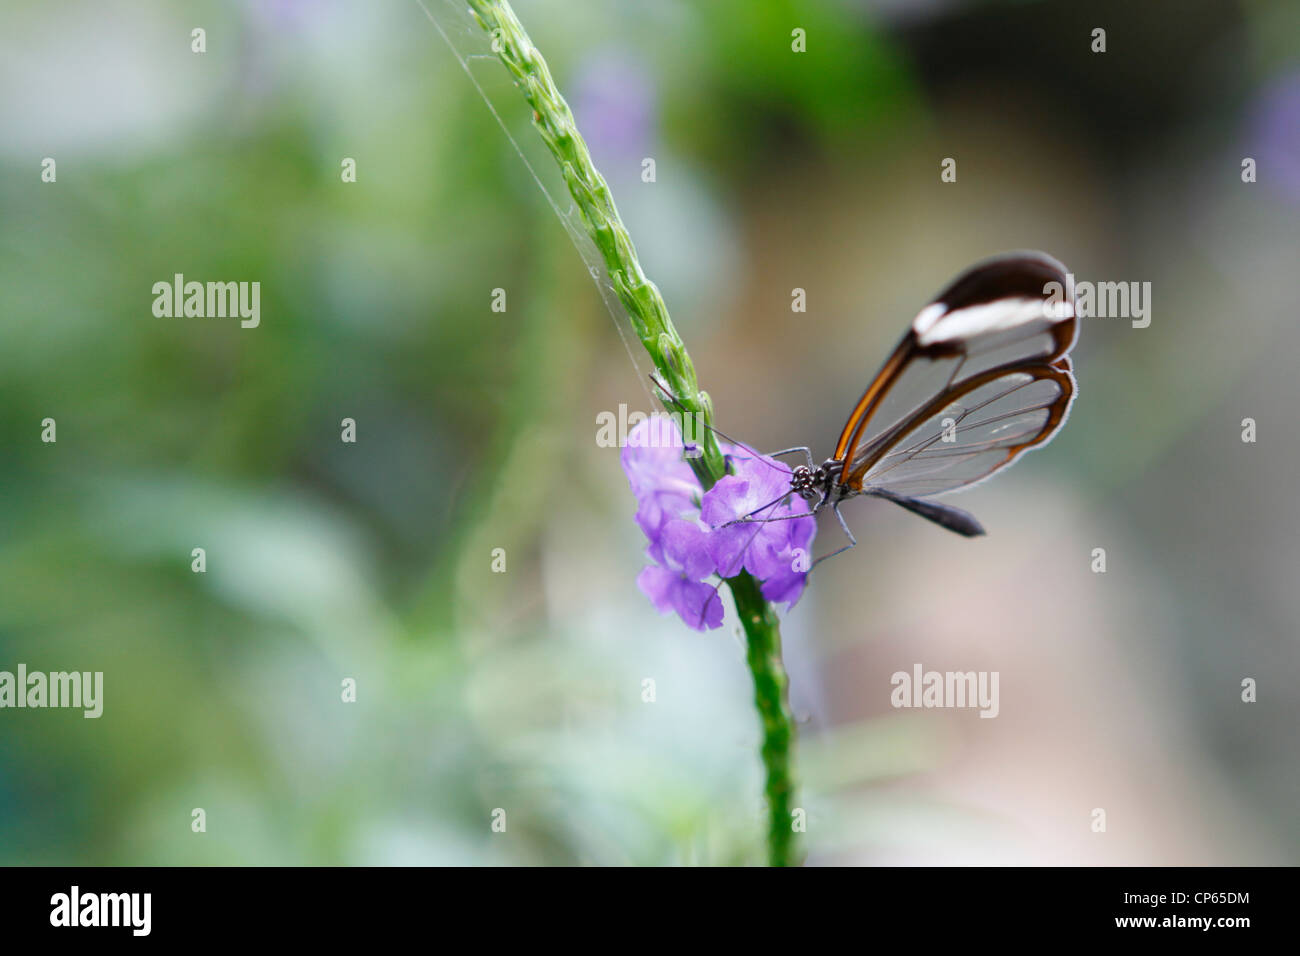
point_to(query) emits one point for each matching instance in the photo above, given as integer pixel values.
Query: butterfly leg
(853, 542)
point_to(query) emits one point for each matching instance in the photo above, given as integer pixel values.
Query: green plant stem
(763, 635)
(645, 305)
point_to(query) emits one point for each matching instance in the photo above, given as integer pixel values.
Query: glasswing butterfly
(981, 376)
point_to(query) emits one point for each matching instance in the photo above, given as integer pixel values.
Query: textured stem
(763, 633)
(645, 305)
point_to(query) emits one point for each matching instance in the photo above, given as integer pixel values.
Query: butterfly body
(821, 488)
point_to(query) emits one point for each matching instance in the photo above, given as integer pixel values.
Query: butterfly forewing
(979, 378)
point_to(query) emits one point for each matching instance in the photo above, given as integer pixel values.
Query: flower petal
(658, 584)
(686, 549)
(699, 605)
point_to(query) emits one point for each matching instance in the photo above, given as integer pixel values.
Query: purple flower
(771, 546)
(785, 586)
(690, 538)
(678, 584)
(664, 485)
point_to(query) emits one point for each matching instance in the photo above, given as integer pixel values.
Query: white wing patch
(935, 323)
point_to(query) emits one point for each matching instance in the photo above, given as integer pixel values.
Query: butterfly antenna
(669, 397)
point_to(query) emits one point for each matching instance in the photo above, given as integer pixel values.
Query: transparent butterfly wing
(973, 434)
(980, 377)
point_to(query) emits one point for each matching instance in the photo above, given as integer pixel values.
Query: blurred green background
(476, 430)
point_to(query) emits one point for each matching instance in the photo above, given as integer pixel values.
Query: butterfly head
(809, 483)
